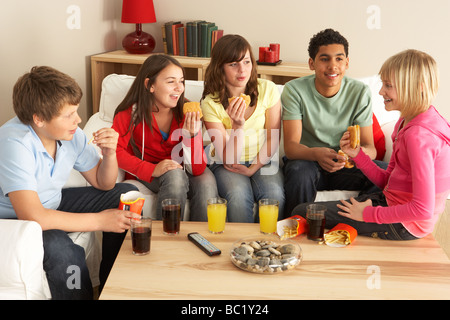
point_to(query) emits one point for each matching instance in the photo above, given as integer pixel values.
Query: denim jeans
(394, 231)
(61, 255)
(64, 261)
(241, 192)
(182, 185)
(304, 178)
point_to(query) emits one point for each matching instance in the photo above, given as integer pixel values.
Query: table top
(366, 269)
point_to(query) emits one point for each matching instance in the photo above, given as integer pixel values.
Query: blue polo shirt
(26, 165)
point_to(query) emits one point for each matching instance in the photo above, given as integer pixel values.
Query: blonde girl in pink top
(416, 183)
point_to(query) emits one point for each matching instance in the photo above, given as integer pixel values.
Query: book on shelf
(210, 43)
(169, 42)
(204, 27)
(193, 39)
(182, 41)
(216, 35)
(175, 38)
(164, 39)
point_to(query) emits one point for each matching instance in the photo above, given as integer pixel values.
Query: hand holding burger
(350, 145)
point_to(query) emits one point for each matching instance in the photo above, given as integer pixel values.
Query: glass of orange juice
(268, 215)
(217, 214)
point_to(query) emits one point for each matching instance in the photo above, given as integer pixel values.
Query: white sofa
(22, 276)
(114, 88)
(21, 252)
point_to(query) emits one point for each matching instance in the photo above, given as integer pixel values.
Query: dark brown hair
(44, 91)
(140, 94)
(229, 48)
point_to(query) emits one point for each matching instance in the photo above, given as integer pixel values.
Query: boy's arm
(27, 206)
(292, 131)
(104, 175)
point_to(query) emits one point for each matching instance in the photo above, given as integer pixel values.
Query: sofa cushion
(378, 138)
(383, 116)
(114, 89)
(23, 276)
(193, 90)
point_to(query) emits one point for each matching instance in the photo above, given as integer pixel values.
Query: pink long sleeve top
(417, 181)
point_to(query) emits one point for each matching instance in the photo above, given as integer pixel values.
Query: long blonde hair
(415, 76)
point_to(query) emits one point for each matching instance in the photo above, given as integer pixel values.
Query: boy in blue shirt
(40, 147)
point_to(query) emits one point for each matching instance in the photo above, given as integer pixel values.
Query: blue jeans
(241, 192)
(182, 185)
(394, 231)
(304, 178)
(64, 261)
(60, 255)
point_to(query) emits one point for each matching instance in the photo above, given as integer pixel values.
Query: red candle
(262, 52)
(270, 56)
(276, 48)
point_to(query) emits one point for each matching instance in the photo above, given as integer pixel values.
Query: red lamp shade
(138, 12)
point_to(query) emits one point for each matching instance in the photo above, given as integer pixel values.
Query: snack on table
(265, 254)
(348, 163)
(246, 98)
(340, 236)
(192, 106)
(355, 135)
(291, 227)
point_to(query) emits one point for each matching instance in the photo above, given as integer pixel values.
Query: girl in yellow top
(245, 138)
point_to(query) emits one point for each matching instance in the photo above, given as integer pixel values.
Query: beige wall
(59, 33)
(37, 33)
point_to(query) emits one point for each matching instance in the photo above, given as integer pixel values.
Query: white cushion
(21, 272)
(383, 116)
(193, 90)
(114, 89)
(330, 195)
(387, 129)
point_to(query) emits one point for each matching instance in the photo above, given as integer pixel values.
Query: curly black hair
(324, 38)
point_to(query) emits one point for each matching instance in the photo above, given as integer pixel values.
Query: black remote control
(205, 245)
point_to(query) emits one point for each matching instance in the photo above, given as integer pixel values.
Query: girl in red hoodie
(157, 144)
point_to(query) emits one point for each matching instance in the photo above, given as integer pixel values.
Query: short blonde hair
(415, 76)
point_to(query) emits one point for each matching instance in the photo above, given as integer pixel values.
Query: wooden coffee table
(366, 269)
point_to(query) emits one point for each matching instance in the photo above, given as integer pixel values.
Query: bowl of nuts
(265, 254)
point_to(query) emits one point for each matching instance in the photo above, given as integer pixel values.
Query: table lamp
(138, 12)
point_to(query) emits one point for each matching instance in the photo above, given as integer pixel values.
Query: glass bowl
(265, 254)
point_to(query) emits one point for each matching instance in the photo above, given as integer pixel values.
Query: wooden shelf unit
(121, 62)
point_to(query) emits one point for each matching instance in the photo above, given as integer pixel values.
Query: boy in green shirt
(317, 110)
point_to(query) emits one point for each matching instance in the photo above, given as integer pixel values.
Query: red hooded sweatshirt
(155, 148)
